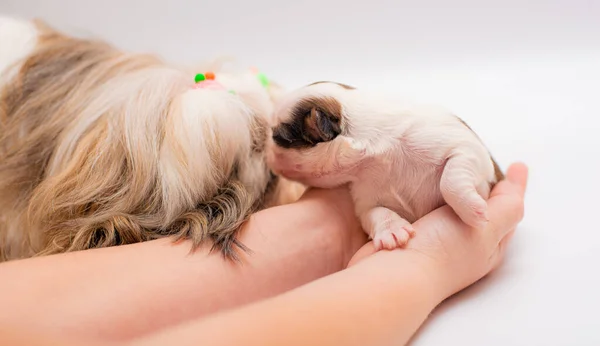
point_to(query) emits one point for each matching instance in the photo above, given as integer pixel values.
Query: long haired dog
(401, 161)
(99, 147)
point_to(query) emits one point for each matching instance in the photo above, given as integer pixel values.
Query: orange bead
(210, 75)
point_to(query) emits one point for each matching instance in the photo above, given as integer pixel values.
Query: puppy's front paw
(387, 229)
(392, 237)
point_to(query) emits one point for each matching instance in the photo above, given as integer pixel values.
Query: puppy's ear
(320, 127)
(312, 121)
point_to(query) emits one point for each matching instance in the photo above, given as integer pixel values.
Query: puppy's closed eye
(313, 121)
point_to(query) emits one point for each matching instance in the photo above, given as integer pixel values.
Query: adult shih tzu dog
(101, 147)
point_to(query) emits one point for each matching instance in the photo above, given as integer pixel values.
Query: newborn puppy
(401, 161)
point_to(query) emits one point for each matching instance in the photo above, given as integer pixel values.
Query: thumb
(506, 203)
(518, 174)
(515, 182)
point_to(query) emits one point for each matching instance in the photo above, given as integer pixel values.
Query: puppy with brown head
(401, 161)
(100, 147)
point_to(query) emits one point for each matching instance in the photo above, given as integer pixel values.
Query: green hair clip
(262, 78)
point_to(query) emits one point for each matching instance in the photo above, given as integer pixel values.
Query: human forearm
(372, 303)
(122, 292)
(383, 298)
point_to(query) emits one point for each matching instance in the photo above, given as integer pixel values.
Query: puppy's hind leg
(461, 187)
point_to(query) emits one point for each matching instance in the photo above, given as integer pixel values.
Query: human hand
(457, 254)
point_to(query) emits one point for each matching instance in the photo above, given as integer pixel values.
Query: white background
(524, 74)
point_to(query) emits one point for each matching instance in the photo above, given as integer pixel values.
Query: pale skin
(382, 298)
(139, 288)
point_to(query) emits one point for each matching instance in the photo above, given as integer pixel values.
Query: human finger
(506, 205)
(515, 181)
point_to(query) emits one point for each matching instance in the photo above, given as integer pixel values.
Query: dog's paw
(473, 210)
(459, 187)
(392, 237)
(387, 229)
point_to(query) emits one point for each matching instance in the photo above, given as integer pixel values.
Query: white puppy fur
(401, 161)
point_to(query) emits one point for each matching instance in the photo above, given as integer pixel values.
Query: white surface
(524, 74)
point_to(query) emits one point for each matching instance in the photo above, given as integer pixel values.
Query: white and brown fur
(401, 161)
(100, 147)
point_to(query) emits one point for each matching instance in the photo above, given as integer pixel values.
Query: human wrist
(428, 272)
(446, 278)
(402, 267)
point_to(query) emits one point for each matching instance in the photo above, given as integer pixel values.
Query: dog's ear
(312, 121)
(320, 126)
